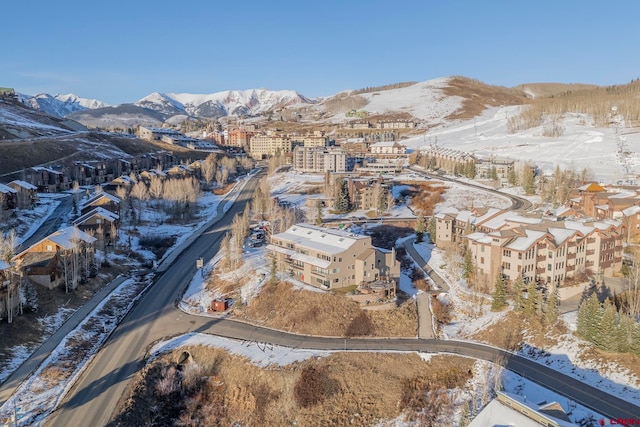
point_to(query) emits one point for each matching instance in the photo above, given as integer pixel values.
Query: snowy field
(582, 145)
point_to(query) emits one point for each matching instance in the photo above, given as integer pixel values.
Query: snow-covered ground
(581, 146)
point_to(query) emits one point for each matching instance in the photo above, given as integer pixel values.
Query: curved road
(95, 395)
(517, 203)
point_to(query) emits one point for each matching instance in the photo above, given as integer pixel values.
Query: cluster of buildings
(330, 259)
(548, 250)
(65, 257)
(173, 137)
(462, 163)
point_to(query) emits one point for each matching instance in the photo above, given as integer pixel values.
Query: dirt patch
(359, 389)
(317, 313)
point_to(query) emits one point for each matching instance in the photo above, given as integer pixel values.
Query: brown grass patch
(358, 389)
(224, 189)
(429, 195)
(478, 96)
(296, 310)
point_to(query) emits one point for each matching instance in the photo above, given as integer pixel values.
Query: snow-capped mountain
(61, 105)
(232, 102)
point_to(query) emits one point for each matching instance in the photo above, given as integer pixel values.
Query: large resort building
(548, 251)
(329, 259)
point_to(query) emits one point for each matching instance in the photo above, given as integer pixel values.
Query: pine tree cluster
(606, 328)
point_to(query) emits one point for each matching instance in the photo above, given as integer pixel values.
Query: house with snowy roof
(65, 257)
(387, 149)
(101, 224)
(509, 409)
(104, 200)
(26, 193)
(328, 258)
(8, 201)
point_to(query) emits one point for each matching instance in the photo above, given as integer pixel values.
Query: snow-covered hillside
(61, 105)
(424, 100)
(612, 154)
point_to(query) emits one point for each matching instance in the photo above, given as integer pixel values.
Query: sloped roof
(592, 186)
(321, 239)
(94, 197)
(6, 189)
(64, 238)
(24, 184)
(101, 212)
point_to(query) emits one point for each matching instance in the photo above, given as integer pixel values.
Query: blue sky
(120, 51)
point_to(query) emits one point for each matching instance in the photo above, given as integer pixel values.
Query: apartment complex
(540, 249)
(261, 146)
(329, 259)
(494, 167)
(445, 159)
(315, 139)
(388, 149)
(319, 159)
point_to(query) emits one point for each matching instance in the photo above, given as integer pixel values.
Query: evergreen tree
(420, 228)
(518, 286)
(606, 337)
(635, 339)
(499, 294)
(528, 183)
(493, 173)
(467, 266)
(589, 316)
(470, 170)
(431, 228)
(319, 213)
(511, 177)
(552, 309)
(624, 333)
(343, 203)
(530, 304)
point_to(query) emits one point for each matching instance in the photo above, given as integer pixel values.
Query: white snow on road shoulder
(260, 354)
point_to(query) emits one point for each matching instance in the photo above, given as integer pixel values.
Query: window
(519, 255)
(49, 248)
(550, 254)
(481, 260)
(548, 267)
(506, 253)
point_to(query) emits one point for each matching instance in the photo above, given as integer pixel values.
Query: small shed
(220, 305)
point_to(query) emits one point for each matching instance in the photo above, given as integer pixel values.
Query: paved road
(517, 203)
(52, 223)
(95, 395)
(413, 253)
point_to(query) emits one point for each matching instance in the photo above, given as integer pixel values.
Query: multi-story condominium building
(261, 146)
(446, 159)
(317, 139)
(395, 124)
(368, 193)
(328, 258)
(152, 133)
(319, 159)
(388, 149)
(240, 138)
(494, 167)
(534, 248)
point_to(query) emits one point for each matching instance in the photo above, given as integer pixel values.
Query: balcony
(572, 244)
(540, 270)
(591, 252)
(571, 268)
(617, 260)
(571, 255)
(541, 246)
(591, 240)
(541, 258)
(589, 264)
